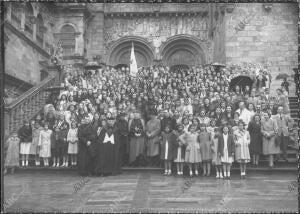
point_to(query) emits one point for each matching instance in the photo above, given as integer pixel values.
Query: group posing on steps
(106, 119)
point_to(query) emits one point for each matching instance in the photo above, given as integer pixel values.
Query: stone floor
(146, 191)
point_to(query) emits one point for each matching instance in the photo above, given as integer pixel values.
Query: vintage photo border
(2, 58)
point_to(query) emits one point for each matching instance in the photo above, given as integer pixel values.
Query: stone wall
(21, 59)
(265, 37)
(22, 52)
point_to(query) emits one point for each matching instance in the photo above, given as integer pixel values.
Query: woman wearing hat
(137, 134)
(153, 128)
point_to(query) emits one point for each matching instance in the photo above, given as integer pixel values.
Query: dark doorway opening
(242, 81)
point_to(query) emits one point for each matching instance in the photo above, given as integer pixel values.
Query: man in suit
(283, 123)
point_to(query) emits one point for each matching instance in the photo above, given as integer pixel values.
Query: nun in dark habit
(109, 149)
(86, 150)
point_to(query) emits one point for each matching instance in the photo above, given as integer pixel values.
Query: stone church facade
(167, 34)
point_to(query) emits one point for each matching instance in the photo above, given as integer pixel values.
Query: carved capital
(230, 7)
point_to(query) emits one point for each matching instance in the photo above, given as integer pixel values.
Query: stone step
(149, 169)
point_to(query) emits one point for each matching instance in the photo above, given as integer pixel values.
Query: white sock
(23, 163)
(228, 173)
(220, 174)
(217, 174)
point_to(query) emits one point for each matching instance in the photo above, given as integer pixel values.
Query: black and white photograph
(149, 106)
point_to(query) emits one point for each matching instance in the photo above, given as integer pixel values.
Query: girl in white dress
(192, 152)
(72, 139)
(179, 160)
(226, 151)
(45, 144)
(242, 141)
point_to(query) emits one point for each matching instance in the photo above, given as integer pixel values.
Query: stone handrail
(28, 104)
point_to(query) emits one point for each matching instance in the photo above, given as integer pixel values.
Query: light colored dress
(45, 143)
(269, 127)
(192, 152)
(242, 141)
(35, 140)
(153, 126)
(72, 138)
(12, 154)
(214, 148)
(226, 158)
(205, 146)
(180, 150)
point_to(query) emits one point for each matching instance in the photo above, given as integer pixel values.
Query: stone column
(95, 31)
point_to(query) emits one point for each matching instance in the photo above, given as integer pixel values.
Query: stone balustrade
(28, 104)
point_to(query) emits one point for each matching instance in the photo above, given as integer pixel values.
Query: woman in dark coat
(122, 127)
(109, 146)
(85, 151)
(255, 146)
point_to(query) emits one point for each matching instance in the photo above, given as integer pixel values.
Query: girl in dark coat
(255, 146)
(25, 135)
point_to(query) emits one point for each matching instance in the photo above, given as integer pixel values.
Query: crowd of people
(106, 119)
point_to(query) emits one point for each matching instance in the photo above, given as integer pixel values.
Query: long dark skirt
(84, 161)
(108, 160)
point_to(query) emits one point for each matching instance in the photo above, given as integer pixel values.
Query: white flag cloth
(110, 139)
(133, 65)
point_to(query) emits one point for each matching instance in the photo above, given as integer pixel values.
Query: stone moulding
(142, 45)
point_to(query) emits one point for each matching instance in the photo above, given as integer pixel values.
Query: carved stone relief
(155, 28)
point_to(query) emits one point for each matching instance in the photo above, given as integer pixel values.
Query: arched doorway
(120, 52)
(183, 50)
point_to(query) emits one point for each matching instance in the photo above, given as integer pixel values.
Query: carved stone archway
(183, 49)
(119, 52)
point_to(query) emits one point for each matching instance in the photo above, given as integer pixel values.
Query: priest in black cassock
(109, 149)
(86, 150)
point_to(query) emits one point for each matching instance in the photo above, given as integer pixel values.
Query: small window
(67, 39)
(16, 14)
(29, 19)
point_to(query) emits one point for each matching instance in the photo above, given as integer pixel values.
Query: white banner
(133, 65)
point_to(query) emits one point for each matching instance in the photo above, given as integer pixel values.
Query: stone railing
(28, 104)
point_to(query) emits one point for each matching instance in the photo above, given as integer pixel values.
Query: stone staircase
(294, 107)
(29, 103)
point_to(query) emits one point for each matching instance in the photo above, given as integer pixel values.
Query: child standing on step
(192, 152)
(180, 150)
(72, 139)
(25, 135)
(226, 150)
(242, 141)
(45, 144)
(167, 148)
(12, 153)
(204, 139)
(34, 150)
(216, 160)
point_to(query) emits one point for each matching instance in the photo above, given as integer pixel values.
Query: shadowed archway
(183, 49)
(120, 51)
